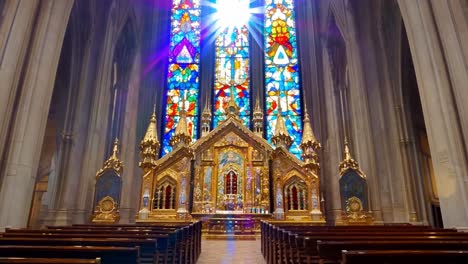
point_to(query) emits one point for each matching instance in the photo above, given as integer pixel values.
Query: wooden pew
(331, 251)
(108, 255)
(405, 256)
(148, 247)
(283, 243)
(49, 261)
(174, 243)
(193, 234)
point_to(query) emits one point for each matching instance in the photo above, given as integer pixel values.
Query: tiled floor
(231, 251)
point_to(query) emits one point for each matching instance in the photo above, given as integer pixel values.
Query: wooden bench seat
(296, 243)
(167, 243)
(331, 251)
(108, 255)
(49, 261)
(405, 256)
(148, 247)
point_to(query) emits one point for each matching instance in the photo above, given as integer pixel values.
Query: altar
(238, 226)
(231, 177)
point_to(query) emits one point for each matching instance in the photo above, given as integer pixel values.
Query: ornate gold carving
(106, 211)
(258, 118)
(355, 213)
(206, 120)
(309, 146)
(254, 172)
(281, 137)
(113, 162)
(150, 146)
(349, 163)
(181, 135)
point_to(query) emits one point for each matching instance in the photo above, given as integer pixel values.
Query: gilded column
(149, 149)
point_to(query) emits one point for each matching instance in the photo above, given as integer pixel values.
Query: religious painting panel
(108, 189)
(352, 184)
(232, 73)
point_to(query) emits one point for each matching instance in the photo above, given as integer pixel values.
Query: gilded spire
(232, 107)
(348, 162)
(308, 136)
(309, 144)
(115, 149)
(205, 120)
(181, 135)
(281, 136)
(113, 161)
(258, 118)
(150, 145)
(257, 108)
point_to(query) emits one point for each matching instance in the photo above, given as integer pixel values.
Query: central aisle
(231, 251)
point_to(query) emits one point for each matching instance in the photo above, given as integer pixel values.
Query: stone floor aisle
(231, 251)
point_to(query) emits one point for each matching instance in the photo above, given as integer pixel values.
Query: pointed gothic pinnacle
(115, 150)
(151, 135)
(181, 134)
(206, 111)
(257, 108)
(308, 136)
(281, 136)
(232, 107)
(348, 162)
(347, 153)
(280, 128)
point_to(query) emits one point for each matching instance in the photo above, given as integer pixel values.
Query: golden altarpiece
(230, 170)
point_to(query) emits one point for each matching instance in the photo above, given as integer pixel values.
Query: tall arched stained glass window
(282, 70)
(183, 69)
(232, 60)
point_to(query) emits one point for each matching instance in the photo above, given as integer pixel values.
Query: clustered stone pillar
(37, 81)
(437, 47)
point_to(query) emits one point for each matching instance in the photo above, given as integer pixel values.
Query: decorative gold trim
(149, 146)
(106, 211)
(113, 162)
(281, 137)
(349, 163)
(355, 213)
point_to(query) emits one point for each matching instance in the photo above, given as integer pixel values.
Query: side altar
(230, 170)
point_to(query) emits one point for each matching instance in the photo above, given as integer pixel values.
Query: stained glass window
(282, 70)
(182, 78)
(232, 69)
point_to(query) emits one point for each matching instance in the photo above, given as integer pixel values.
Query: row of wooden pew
(176, 242)
(300, 243)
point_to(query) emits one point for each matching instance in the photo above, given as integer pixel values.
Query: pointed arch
(296, 194)
(165, 194)
(232, 73)
(122, 63)
(183, 70)
(282, 78)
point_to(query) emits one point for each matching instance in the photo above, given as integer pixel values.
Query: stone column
(15, 35)
(436, 48)
(94, 145)
(131, 185)
(331, 145)
(32, 110)
(357, 101)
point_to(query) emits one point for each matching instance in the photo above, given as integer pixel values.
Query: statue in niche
(230, 183)
(146, 197)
